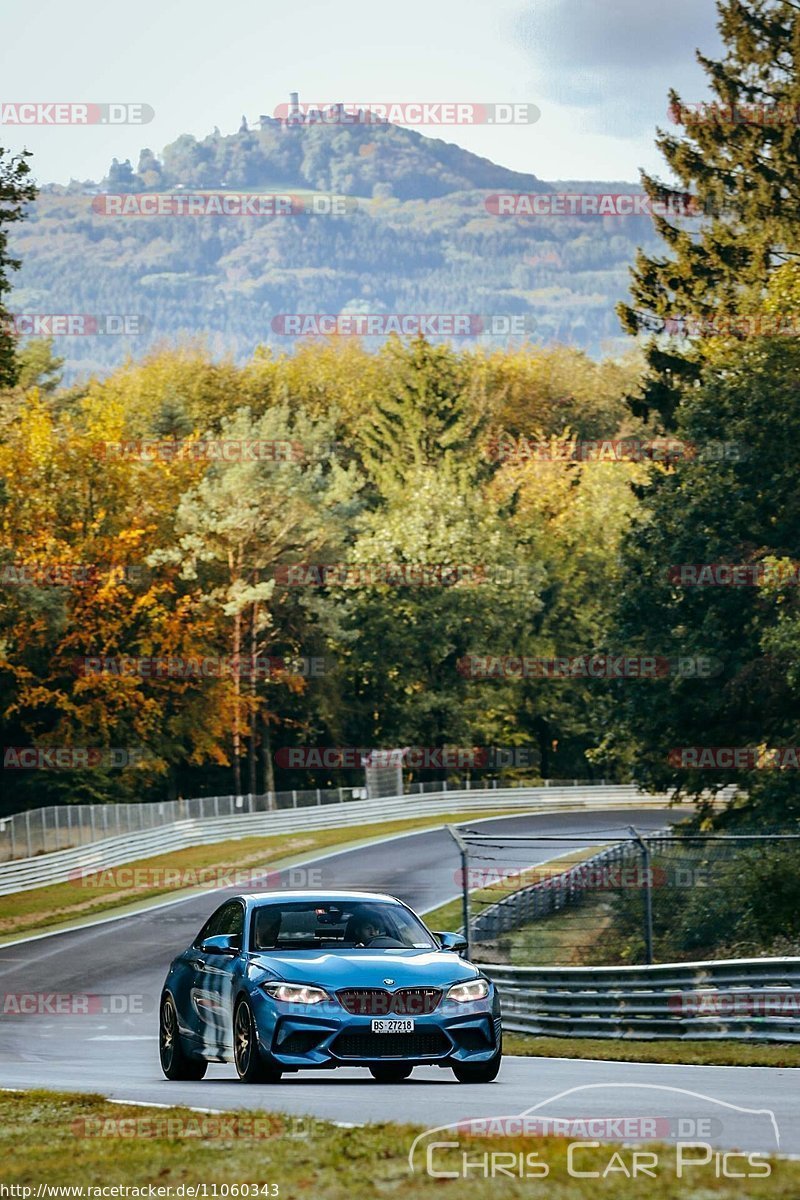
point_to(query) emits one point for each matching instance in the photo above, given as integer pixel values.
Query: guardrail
(63, 865)
(550, 895)
(62, 826)
(754, 1000)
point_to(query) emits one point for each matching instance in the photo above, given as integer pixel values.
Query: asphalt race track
(127, 958)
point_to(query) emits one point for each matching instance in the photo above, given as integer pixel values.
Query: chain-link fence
(668, 896)
(60, 827)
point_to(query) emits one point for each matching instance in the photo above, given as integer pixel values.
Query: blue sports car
(292, 981)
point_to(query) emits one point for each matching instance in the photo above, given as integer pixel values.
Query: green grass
(61, 903)
(42, 1142)
(699, 1053)
(564, 938)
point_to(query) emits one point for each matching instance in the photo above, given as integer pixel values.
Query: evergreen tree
(738, 159)
(15, 192)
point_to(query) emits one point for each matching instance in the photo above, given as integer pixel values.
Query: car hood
(367, 968)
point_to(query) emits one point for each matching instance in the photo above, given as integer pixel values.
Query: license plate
(402, 1025)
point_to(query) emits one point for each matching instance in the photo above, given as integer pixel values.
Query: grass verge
(449, 916)
(179, 871)
(700, 1053)
(43, 1142)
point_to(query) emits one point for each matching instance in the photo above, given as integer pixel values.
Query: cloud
(617, 58)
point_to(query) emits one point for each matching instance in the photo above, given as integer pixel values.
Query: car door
(215, 977)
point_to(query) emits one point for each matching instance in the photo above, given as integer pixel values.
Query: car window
(229, 919)
(341, 925)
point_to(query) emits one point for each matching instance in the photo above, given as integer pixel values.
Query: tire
(250, 1065)
(390, 1072)
(483, 1072)
(175, 1063)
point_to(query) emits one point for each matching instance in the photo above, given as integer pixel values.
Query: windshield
(310, 924)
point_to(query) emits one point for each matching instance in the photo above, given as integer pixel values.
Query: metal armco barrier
(61, 827)
(552, 894)
(63, 865)
(753, 1000)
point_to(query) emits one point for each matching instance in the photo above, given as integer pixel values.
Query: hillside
(420, 240)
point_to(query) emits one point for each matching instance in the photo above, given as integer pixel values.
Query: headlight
(295, 993)
(476, 989)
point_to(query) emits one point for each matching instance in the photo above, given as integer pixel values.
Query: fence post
(294, 797)
(319, 797)
(463, 849)
(648, 896)
(28, 832)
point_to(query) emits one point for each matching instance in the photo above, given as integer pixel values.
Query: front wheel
(250, 1065)
(390, 1072)
(175, 1063)
(482, 1072)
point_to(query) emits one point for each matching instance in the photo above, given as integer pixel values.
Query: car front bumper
(295, 1037)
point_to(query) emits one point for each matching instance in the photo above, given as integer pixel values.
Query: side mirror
(223, 943)
(455, 942)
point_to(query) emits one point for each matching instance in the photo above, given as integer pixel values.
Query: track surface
(127, 958)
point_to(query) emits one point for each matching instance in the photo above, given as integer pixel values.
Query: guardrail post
(464, 852)
(294, 797)
(648, 896)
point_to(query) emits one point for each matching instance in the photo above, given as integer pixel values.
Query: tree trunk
(266, 755)
(251, 750)
(237, 715)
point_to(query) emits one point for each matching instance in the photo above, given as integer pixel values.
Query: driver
(269, 924)
(365, 928)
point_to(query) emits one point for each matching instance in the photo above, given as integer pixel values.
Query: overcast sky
(599, 70)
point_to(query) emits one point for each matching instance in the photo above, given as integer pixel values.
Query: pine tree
(425, 415)
(15, 192)
(738, 159)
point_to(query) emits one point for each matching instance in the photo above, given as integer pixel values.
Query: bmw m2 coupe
(298, 980)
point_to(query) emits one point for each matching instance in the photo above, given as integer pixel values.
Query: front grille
(376, 1002)
(430, 1043)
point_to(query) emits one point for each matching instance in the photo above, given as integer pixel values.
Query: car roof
(314, 894)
